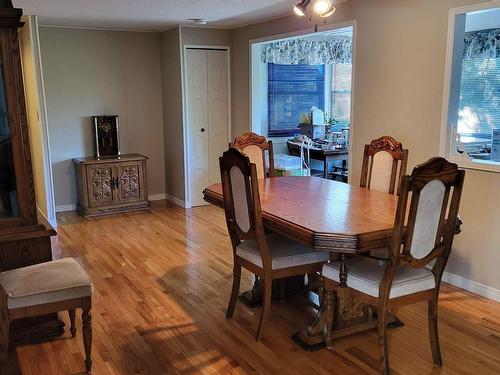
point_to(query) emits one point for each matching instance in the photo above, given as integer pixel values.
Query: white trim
(185, 140)
(176, 201)
(472, 286)
(66, 207)
(41, 107)
(157, 197)
(185, 127)
(97, 28)
(446, 145)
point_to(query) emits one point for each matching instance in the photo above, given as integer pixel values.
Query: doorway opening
(297, 77)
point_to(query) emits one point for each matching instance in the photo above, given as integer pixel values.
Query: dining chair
(419, 251)
(269, 256)
(255, 146)
(45, 288)
(379, 170)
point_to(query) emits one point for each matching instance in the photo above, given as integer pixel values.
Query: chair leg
(87, 338)
(433, 332)
(235, 291)
(72, 327)
(266, 305)
(4, 341)
(382, 343)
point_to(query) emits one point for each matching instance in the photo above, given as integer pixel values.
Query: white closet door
(196, 74)
(208, 119)
(217, 111)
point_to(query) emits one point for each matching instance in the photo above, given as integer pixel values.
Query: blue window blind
(293, 89)
(479, 106)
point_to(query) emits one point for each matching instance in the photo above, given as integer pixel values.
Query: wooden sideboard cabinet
(111, 185)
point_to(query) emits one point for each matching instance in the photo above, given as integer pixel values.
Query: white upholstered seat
(284, 252)
(364, 275)
(49, 282)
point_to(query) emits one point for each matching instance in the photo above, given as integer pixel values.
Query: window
(293, 89)
(340, 100)
(479, 108)
(472, 114)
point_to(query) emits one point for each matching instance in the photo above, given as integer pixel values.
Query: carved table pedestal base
(350, 317)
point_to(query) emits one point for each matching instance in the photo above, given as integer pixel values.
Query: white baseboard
(157, 197)
(176, 201)
(66, 207)
(472, 286)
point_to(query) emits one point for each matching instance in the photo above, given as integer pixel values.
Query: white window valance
(337, 50)
(483, 44)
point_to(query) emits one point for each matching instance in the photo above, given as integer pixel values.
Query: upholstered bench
(42, 289)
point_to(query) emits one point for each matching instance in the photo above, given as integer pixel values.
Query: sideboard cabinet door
(99, 184)
(130, 182)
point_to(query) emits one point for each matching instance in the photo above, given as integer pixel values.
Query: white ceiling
(153, 15)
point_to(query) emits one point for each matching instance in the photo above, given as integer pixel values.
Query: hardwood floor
(162, 281)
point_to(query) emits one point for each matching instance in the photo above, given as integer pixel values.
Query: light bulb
(322, 6)
(298, 10)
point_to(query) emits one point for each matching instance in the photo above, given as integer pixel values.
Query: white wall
(89, 72)
(398, 91)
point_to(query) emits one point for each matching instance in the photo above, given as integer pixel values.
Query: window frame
(449, 130)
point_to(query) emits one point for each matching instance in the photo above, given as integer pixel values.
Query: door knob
(202, 130)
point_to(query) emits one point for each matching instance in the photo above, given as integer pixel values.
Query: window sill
(478, 165)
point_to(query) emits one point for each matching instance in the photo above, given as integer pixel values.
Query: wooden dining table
(328, 216)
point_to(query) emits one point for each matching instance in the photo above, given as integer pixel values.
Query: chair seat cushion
(49, 282)
(284, 252)
(364, 274)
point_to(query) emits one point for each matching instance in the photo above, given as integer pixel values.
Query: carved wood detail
(248, 139)
(385, 143)
(101, 186)
(129, 183)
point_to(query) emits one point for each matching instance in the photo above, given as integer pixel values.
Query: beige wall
(89, 72)
(33, 117)
(205, 36)
(398, 90)
(171, 60)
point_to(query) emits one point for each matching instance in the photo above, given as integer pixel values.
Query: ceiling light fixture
(321, 8)
(198, 21)
(300, 8)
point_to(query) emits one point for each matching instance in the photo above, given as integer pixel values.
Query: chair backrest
(241, 196)
(380, 165)
(426, 216)
(255, 146)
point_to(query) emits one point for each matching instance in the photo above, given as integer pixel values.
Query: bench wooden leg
(72, 327)
(87, 338)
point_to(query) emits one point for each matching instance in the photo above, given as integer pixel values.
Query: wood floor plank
(162, 281)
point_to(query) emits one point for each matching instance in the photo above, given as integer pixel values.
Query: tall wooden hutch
(24, 239)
